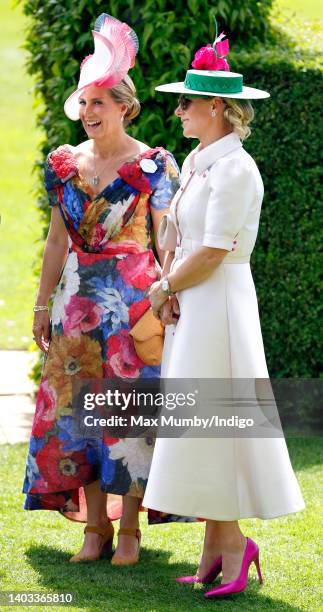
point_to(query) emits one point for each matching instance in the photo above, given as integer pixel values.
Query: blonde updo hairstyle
(239, 113)
(125, 93)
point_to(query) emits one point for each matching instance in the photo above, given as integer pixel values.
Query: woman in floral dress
(107, 196)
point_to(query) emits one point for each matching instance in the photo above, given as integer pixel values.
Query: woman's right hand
(170, 311)
(41, 330)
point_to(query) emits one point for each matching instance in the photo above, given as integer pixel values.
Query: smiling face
(101, 116)
(195, 115)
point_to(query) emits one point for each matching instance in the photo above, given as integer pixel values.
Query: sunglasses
(184, 102)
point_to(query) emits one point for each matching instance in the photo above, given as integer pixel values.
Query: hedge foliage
(285, 141)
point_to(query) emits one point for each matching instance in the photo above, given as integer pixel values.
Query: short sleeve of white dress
(232, 189)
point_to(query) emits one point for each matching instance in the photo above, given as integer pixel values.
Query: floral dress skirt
(100, 296)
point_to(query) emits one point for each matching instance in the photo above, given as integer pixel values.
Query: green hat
(211, 75)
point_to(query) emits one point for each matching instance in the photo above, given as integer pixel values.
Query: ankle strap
(99, 530)
(130, 532)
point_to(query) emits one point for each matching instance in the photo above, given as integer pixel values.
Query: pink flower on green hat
(208, 58)
(205, 59)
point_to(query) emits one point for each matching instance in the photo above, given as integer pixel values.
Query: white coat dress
(218, 335)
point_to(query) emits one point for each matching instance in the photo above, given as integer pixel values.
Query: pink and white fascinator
(115, 49)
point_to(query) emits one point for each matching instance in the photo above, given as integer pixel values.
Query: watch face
(165, 285)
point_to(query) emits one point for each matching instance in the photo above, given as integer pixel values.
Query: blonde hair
(239, 113)
(125, 93)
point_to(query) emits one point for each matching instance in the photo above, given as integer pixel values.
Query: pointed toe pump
(105, 548)
(211, 575)
(251, 555)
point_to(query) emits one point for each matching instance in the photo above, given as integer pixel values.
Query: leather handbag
(148, 337)
(167, 234)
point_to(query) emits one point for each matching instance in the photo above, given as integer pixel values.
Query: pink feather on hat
(115, 49)
(125, 44)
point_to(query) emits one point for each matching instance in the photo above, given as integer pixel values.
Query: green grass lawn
(20, 227)
(36, 546)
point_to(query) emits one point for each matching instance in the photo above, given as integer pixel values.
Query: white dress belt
(189, 245)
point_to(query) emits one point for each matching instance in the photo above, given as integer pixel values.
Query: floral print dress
(100, 296)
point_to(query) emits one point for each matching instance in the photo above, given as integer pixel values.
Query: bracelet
(40, 308)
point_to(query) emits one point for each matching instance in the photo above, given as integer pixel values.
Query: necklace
(96, 178)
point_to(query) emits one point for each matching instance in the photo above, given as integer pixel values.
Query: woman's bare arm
(194, 270)
(55, 253)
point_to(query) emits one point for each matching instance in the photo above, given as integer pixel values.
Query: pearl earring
(213, 113)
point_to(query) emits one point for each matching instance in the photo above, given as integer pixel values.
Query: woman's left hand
(170, 311)
(157, 297)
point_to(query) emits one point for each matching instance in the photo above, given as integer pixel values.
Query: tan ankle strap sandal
(119, 559)
(105, 548)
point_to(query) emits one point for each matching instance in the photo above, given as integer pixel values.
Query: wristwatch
(166, 287)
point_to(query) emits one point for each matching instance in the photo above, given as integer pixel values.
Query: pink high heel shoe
(211, 575)
(251, 554)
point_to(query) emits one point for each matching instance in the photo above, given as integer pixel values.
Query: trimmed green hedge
(286, 262)
(285, 141)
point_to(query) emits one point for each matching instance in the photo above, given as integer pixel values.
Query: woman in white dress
(207, 279)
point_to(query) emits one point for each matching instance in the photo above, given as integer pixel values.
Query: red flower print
(86, 205)
(82, 315)
(45, 409)
(136, 310)
(138, 270)
(98, 235)
(123, 360)
(63, 163)
(60, 193)
(110, 441)
(133, 174)
(62, 470)
(53, 501)
(110, 250)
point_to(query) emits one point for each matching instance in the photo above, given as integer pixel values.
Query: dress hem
(225, 518)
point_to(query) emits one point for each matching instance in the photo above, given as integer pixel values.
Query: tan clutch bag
(148, 336)
(167, 234)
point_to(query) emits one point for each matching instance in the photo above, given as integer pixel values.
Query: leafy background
(285, 141)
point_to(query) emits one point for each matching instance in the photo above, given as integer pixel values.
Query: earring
(213, 113)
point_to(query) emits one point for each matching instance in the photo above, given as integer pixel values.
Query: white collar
(201, 160)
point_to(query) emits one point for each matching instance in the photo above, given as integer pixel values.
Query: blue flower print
(36, 444)
(115, 314)
(167, 185)
(73, 204)
(108, 466)
(69, 434)
(32, 471)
